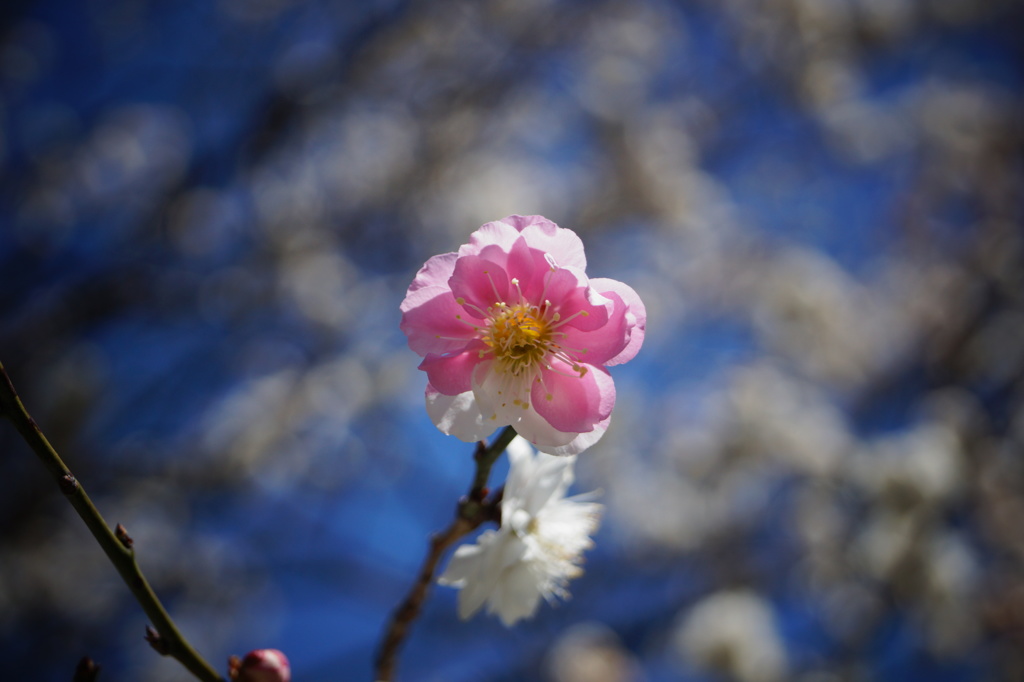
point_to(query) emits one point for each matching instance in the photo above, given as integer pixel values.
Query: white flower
(537, 549)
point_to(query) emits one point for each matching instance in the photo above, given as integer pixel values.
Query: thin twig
(117, 547)
(409, 609)
(473, 510)
(485, 456)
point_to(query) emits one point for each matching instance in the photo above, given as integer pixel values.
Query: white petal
(471, 598)
(463, 565)
(521, 459)
(458, 415)
(535, 478)
(568, 525)
(552, 478)
(499, 395)
(481, 571)
(509, 551)
(534, 428)
(479, 584)
(517, 594)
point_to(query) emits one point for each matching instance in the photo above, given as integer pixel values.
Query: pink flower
(512, 332)
(261, 665)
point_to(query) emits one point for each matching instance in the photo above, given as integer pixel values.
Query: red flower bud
(261, 665)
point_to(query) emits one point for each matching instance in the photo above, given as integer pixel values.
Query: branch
(117, 546)
(473, 510)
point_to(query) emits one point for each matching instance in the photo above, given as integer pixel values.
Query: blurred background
(210, 211)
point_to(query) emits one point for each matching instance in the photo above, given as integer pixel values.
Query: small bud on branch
(68, 484)
(122, 534)
(165, 638)
(158, 643)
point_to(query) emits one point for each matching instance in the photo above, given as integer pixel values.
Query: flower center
(519, 336)
(522, 338)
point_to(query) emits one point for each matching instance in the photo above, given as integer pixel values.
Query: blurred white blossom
(733, 632)
(591, 652)
(537, 549)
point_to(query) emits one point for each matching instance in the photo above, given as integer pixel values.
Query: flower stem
(472, 511)
(485, 457)
(117, 546)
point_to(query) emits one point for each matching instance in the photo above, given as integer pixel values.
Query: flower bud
(261, 665)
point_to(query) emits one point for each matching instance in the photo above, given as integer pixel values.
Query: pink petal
(451, 374)
(599, 346)
(540, 233)
(583, 440)
(519, 262)
(458, 415)
(497, 232)
(570, 294)
(573, 404)
(528, 265)
(620, 338)
(434, 322)
(480, 282)
(521, 222)
(435, 272)
(636, 315)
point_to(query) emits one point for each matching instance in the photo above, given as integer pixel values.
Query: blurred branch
(165, 638)
(473, 510)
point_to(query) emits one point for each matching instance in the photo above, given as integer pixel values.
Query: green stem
(117, 547)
